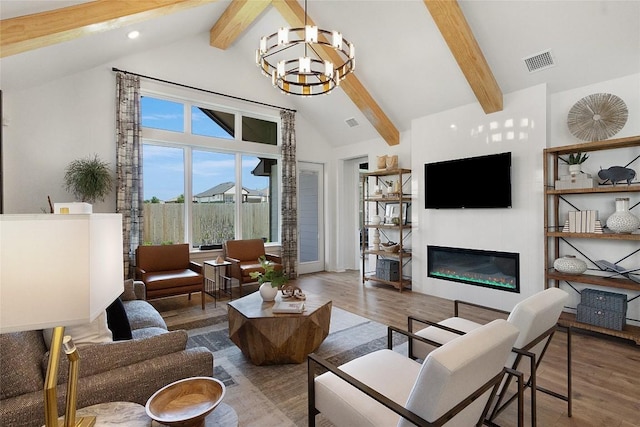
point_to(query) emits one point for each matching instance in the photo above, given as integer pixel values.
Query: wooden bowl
(185, 403)
(392, 248)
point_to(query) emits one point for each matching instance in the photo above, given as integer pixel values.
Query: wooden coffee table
(270, 339)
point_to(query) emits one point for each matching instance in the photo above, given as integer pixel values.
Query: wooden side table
(268, 339)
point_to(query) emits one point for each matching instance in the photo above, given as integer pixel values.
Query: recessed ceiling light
(133, 34)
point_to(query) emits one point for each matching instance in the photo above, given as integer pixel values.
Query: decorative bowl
(185, 403)
(390, 248)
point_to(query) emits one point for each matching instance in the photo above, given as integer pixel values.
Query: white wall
(50, 125)
(518, 229)
(465, 132)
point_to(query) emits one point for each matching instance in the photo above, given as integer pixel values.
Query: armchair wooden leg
(202, 298)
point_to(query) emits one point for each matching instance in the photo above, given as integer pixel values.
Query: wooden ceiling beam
(238, 16)
(24, 33)
(465, 49)
(294, 14)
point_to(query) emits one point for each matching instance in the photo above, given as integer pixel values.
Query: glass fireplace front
(498, 270)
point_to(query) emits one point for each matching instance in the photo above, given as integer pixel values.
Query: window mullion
(238, 196)
(188, 194)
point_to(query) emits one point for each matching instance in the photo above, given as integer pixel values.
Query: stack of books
(583, 222)
(288, 307)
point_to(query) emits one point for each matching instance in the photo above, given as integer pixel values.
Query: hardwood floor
(606, 372)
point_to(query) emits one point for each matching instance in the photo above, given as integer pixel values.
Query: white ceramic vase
(623, 221)
(570, 264)
(268, 292)
(575, 169)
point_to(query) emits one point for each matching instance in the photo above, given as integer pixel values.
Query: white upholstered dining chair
(536, 317)
(384, 388)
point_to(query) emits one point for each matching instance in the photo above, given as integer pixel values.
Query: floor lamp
(57, 271)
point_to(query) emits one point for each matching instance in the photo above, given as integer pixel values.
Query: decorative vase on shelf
(376, 219)
(622, 220)
(570, 264)
(268, 292)
(575, 169)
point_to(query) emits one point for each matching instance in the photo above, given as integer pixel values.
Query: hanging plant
(88, 179)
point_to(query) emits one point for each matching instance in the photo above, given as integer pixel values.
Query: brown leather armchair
(166, 271)
(243, 256)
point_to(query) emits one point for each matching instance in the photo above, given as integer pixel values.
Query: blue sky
(163, 167)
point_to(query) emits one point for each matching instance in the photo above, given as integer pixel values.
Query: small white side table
(220, 283)
(116, 414)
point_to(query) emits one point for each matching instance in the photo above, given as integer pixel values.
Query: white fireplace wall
(466, 132)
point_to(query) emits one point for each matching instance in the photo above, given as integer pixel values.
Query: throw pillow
(128, 294)
(118, 321)
(93, 333)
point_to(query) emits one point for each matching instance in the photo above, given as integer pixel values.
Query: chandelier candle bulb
(305, 64)
(311, 34)
(336, 40)
(328, 69)
(283, 38)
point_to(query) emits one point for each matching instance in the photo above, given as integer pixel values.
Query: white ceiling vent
(352, 122)
(539, 61)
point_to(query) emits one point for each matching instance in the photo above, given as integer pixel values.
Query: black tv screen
(473, 182)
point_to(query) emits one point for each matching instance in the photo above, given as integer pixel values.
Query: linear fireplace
(497, 270)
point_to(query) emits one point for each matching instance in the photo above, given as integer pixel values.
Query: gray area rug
(276, 396)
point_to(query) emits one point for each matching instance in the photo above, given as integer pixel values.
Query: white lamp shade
(58, 270)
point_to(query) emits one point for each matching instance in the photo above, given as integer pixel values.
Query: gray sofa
(128, 371)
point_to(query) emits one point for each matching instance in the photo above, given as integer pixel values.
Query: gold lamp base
(58, 342)
(80, 422)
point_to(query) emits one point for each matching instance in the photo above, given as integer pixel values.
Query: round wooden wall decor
(597, 117)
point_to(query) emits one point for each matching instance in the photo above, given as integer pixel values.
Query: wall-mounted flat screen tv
(473, 182)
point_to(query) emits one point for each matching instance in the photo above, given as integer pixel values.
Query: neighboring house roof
(218, 189)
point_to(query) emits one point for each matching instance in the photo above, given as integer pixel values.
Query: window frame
(188, 141)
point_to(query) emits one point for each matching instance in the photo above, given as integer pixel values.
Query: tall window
(207, 180)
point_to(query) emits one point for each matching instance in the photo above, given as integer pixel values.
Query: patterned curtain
(289, 195)
(129, 166)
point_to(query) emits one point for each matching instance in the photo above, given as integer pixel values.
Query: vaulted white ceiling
(402, 58)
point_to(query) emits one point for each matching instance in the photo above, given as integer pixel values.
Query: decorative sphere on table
(570, 264)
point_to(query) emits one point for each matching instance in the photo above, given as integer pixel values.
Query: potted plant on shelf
(270, 281)
(575, 161)
(88, 179)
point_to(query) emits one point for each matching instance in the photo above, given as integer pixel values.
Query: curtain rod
(204, 90)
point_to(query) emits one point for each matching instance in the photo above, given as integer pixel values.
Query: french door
(310, 217)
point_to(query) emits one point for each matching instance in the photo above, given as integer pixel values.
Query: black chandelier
(304, 75)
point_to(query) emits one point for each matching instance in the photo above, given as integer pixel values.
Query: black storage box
(388, 269)
(601, 308)
(605, 300)
(601, 317)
